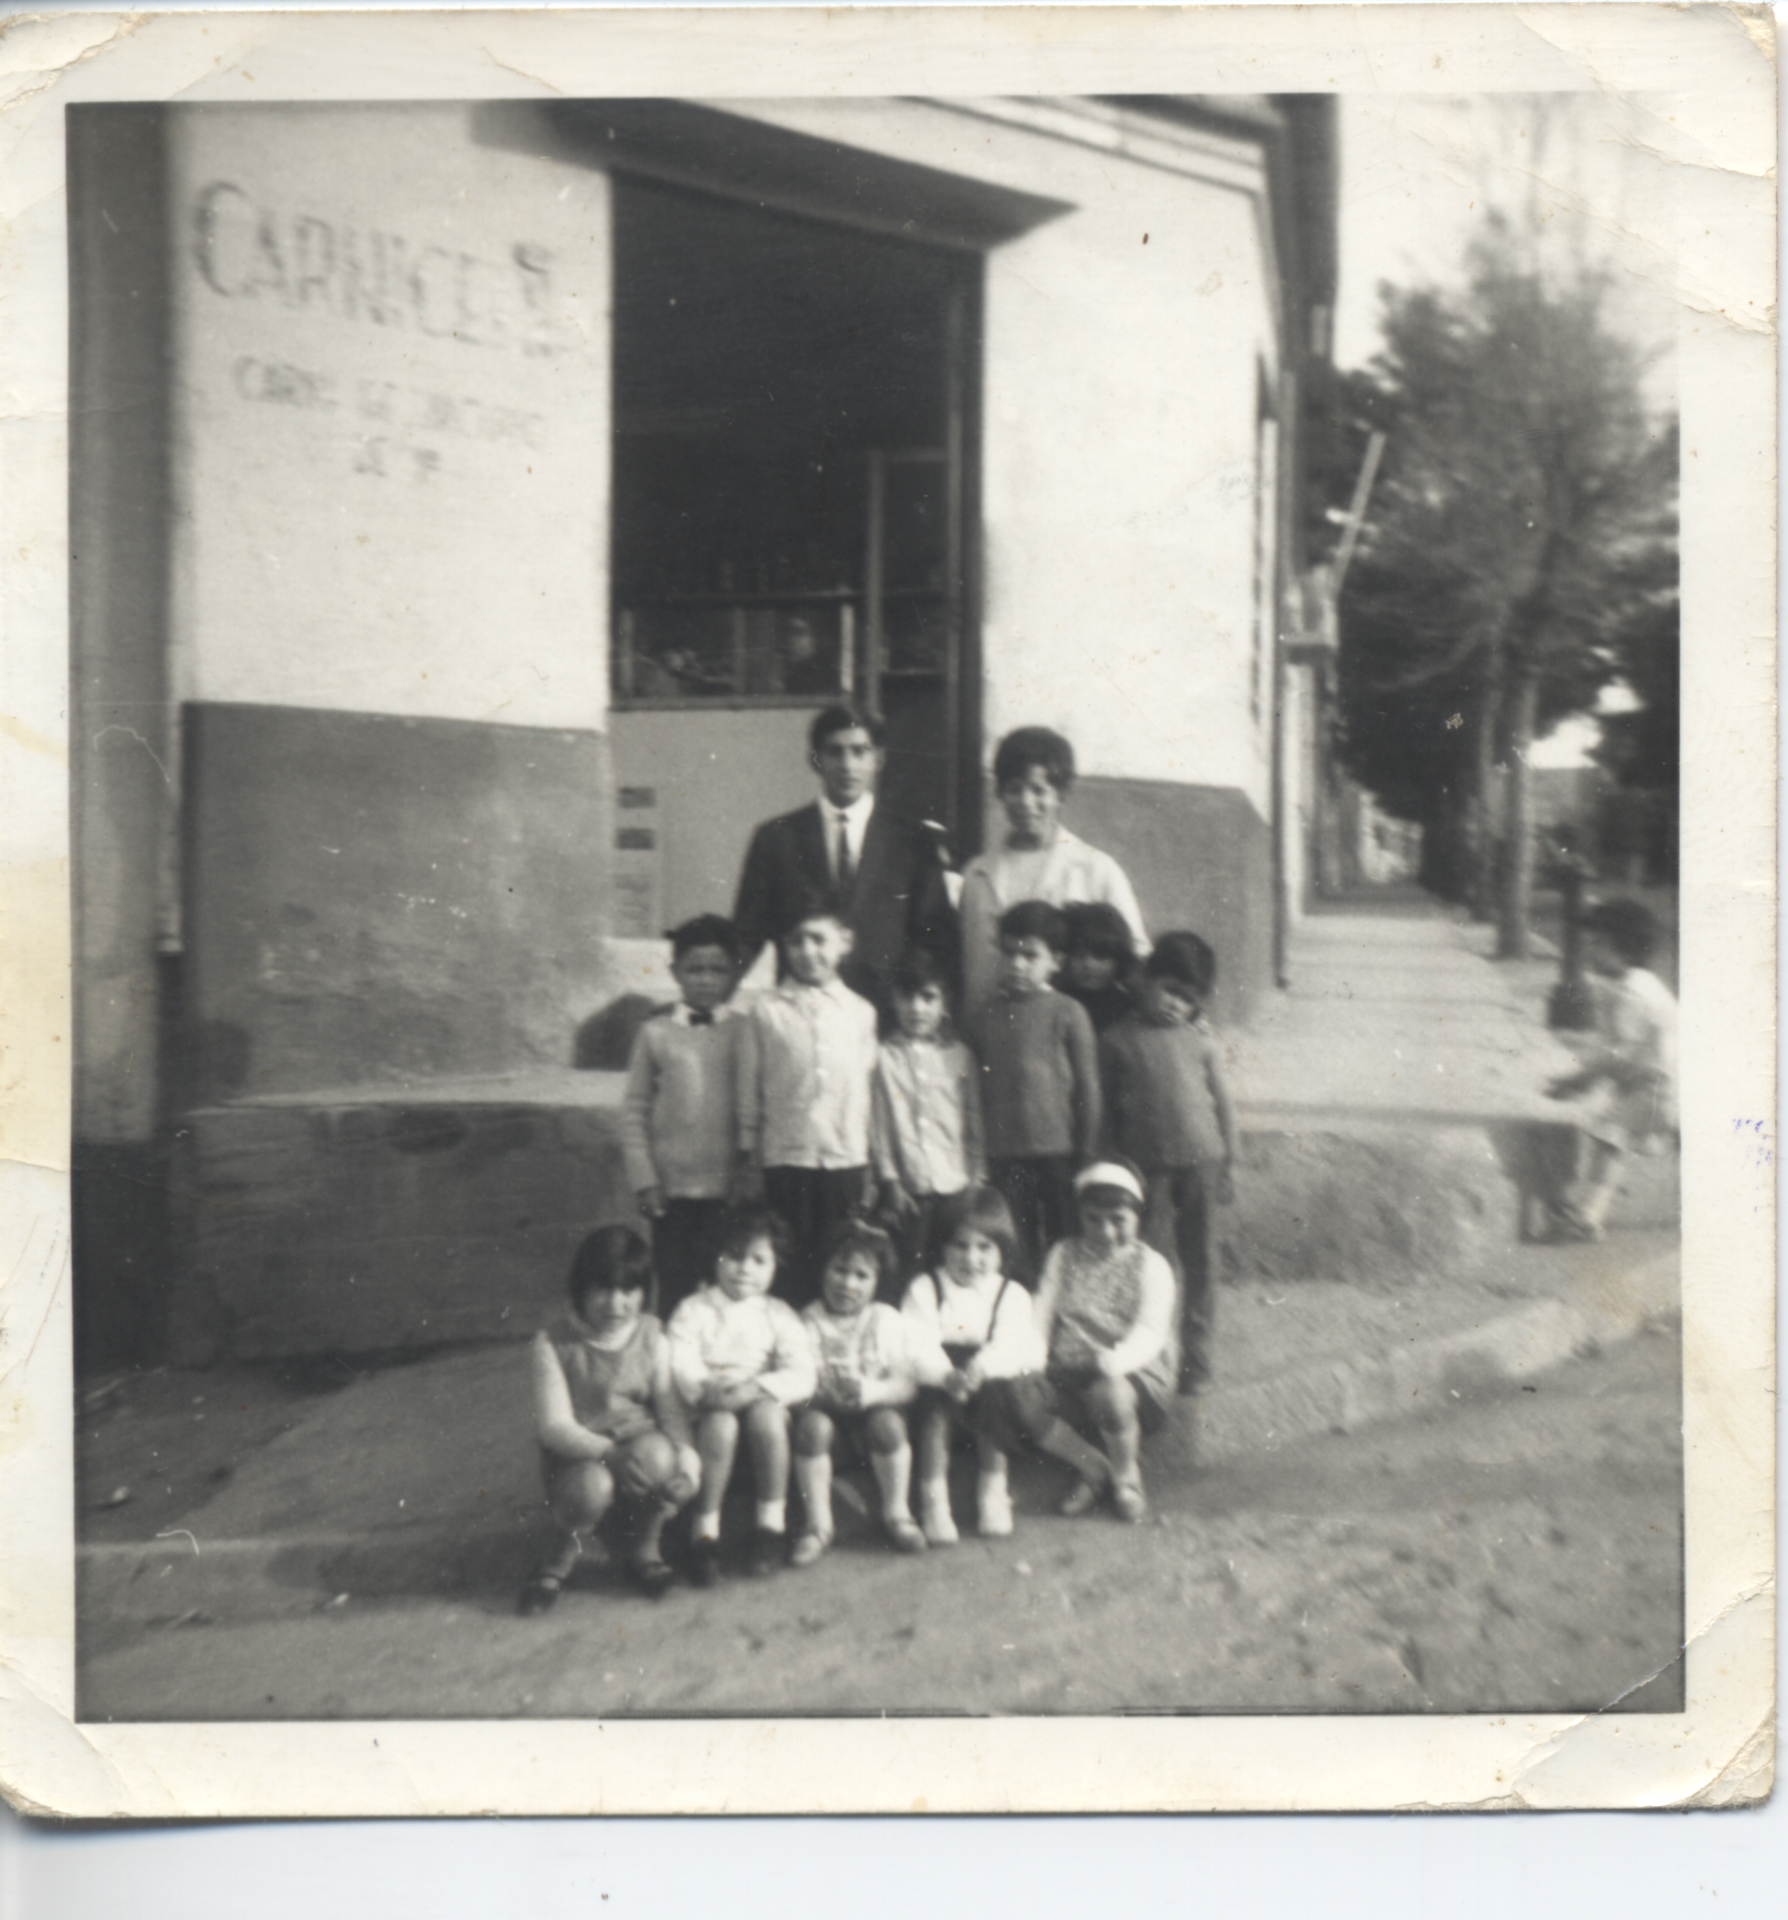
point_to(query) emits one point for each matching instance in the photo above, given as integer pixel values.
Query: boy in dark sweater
(1039, 1080)
(1167, 1107)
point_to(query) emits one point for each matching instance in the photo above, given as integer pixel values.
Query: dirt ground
(1520, 1551)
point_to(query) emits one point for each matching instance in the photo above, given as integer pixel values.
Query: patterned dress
(1097, 1302)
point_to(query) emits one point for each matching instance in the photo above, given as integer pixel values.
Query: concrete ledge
(377, 1220)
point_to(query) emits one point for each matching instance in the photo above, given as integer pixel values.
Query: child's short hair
(1035, 920)
(1629, 926)
(1111, 1182)
(706, 930)
(1097, 929)
(840, 718)
(743, 1227)
(814, 903)
(1186, 961)
(613, 1257)
(1029, 747)
(859, 1236)
(985, 1210)
(920, 968)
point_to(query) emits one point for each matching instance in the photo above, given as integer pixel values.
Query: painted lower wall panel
(370, 897)
(1200, 858)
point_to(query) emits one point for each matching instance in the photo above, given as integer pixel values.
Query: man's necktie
(846, 873)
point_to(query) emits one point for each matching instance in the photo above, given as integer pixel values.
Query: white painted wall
(392, 483)
(1120, 485)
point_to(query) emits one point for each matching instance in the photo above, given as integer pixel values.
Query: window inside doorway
(787, 455)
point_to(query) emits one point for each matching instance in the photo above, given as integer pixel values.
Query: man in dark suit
(885, 872)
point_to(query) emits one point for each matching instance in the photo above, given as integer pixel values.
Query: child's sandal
(541, 1594)
(1129, 1502)
(808, 1548)
(904, 1535)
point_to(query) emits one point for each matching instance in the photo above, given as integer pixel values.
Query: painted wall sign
(249, 250)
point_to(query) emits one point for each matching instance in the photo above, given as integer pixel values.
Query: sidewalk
(1397, 1016)
(1374, 1267)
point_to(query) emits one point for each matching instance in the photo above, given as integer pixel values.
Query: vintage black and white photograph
(877, 904)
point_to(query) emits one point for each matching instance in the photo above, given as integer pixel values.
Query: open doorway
(795, 408)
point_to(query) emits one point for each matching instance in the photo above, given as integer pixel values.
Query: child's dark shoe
(704, 1562)
(541, 1594)
(1081, 1498)
(653, 1576)
(768, 1551)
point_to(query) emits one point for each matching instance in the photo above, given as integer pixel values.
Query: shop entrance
(795, 409)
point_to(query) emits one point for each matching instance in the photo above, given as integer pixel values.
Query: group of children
(843, 1225)
(636, 1420)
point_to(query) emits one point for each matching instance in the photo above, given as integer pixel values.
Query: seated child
(1099, 961)
(805, 1064)
(613, 1434)
(862, 1353)
(980, 1365)
(977, 1352)
(1629, 1067)
(925, 1108)
(1167, 1107)
(1039, 1078)
(1105, 1315)
(740, 1360)
(679, 1120)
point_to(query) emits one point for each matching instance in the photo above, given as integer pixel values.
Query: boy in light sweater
(679, 1120)
(807, 1054)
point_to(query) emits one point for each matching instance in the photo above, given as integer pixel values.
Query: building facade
(471, 505)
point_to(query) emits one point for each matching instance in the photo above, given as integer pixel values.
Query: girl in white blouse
(977, 1352)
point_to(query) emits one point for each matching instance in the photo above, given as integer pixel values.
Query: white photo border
(1709, 73)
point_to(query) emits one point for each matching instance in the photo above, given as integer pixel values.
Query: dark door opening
(793, 467)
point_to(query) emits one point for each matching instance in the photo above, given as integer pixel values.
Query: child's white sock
(893, 1475)
(772, 1516)
(706, 1526)
(813, 1480)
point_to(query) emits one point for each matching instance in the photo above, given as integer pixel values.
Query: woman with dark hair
(1037, 858)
